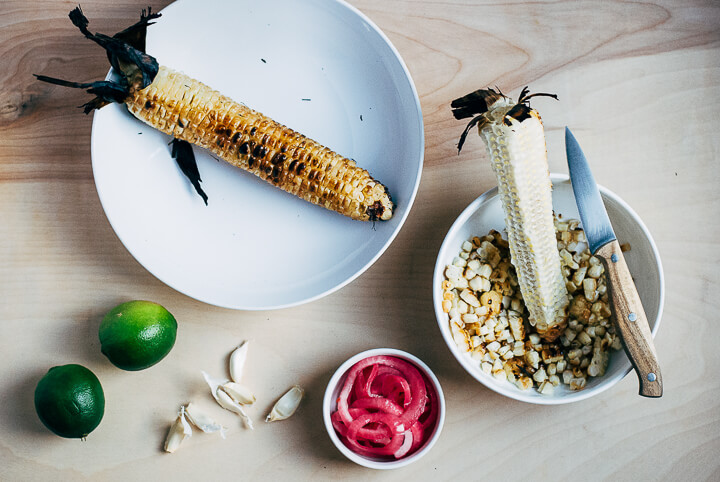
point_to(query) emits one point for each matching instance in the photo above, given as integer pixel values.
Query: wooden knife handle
(630, 320)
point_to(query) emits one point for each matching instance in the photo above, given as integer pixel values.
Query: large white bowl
(330, 405)
(320, 67)
(486, 213)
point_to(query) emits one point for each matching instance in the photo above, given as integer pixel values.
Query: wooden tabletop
(640, 82)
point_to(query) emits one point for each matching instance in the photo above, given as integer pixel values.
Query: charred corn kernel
(596, 271)
(546, 388)
(524, 383)
(476, 242)
(446, 285)
(571, 287)
(584, 338)
(469, 274)
(248, 139)
(467, 246)
(452, 271)
(579, 275)
(470, 318)
(540, 375)
(448, 295)
(462, 340)
(480, 284)
(517, 327)
(491, 300)
(446, 305)
(578, 383)
(505, 335)
(459, 262)
(485, 271)
(567, 376)
(486, 368)
(602, 289)
(469, 297)
(509, 373)
(464, 255)
(589, 285)
(493, 346)
(532, 358)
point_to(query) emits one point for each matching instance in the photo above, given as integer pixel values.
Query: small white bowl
(330, 406)
(643, 259)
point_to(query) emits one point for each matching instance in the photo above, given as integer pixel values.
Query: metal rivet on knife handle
(651, 377)
(614, 258)
(632, 317)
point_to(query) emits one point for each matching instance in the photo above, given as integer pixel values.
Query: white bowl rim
(335, 381)
(512, 392)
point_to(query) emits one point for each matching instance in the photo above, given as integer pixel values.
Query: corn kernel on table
(641, 81)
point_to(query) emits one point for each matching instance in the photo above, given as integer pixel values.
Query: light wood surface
(639, 81)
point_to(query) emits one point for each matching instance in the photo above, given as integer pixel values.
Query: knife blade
(628, 313)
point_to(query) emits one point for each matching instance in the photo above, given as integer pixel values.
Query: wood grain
(639, 80)
(630, 319)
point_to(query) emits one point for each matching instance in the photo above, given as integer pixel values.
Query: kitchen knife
(628, 313)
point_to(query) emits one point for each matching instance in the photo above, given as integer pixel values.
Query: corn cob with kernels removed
(190, 111)
(515, 142)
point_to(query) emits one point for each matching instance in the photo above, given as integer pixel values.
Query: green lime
(137, 334)
(70, 401)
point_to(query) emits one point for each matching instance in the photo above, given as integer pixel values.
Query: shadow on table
(19, 407)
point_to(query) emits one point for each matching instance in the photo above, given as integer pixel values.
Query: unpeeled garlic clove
(237, 361)
(203, 421)
(179, 431)
(239, 393)
(287, 404)
(226, 402)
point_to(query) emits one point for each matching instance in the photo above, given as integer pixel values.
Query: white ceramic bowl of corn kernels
(643, 259)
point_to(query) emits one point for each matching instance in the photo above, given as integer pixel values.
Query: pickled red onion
(380, 407)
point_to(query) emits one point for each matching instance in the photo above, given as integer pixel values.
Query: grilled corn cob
(515, 142)
(190, 111)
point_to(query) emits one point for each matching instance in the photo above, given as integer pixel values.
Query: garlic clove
(237, 361)
(227, 402)
(179, 431)
(214, 383)
(287, 405)
(241, 394)
(203, 421)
